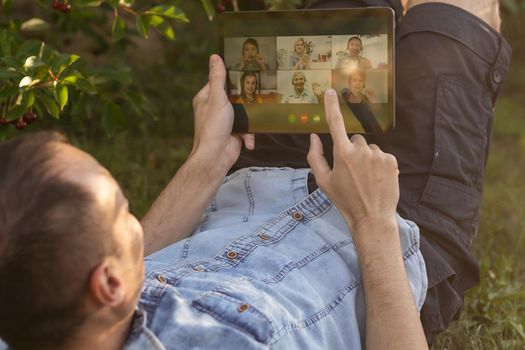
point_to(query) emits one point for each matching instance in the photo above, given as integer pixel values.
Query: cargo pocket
(454, 203)
(461, 131)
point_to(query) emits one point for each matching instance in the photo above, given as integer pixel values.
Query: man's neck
(101, 336)
(299, 92)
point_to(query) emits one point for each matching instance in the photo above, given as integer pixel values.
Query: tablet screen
(280, 63)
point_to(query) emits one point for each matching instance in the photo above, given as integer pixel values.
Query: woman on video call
(357, 92)
(251, 58)
(249, 85)
(352, 57)
(299, 59)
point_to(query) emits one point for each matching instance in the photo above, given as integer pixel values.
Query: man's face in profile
(110, 207)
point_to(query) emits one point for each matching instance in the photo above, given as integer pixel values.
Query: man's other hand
(213, 114)
(363, 183)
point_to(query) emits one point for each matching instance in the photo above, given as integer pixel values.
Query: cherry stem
(129, 10)
(55, 78)
(6, 107)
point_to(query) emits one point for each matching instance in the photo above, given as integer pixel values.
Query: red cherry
(20, 124)
(57, 5)
(30, 117)
(220, 7)
(65, 8)
(4, 122)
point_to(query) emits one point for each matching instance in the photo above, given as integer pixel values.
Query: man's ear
(106, 285)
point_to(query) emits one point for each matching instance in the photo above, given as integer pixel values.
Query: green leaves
(118, 29)
(61, 95)
(50, 105)
(169, 11)
(162, 27)
(143, 22)
(157, 17)
(208, 7)
(37, 77)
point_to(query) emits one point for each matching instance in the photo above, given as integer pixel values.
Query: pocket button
(297, 216)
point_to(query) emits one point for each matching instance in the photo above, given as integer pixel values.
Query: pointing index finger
(334, 117)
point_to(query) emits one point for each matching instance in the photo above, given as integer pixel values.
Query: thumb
(217, 80)
(317, 160)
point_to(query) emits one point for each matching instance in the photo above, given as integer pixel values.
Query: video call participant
(443, 48)
(300, 94)
(299, 59)
(251, 58)
(352, 57)
(357, 99)
(356, 91)
(249, 86)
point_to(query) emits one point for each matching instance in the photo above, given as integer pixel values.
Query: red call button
(303, 118)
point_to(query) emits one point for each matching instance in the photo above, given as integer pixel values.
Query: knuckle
(320, 180)
(345, 152)
(391, 159)
(195, 102)
(357, 138)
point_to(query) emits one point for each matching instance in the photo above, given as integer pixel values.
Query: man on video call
(300, 93)
(270, 261)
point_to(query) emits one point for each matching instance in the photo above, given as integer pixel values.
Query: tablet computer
(279, 64)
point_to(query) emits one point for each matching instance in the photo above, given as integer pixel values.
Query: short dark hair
(355, 38)
(250, 41)
(50, 241)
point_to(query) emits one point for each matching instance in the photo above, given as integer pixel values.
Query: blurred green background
(144, 147)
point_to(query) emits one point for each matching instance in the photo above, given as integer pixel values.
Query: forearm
(392, 320)
(177, 210)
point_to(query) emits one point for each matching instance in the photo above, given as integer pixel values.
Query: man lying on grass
(281, 269)
(260, 258)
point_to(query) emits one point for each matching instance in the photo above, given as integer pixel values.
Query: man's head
(70, 252)
(354, 46)
(298, 81)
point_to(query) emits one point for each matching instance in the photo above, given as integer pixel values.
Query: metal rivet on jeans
(297, 216)
(162, 278)
(231, 255)
(243, 307)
